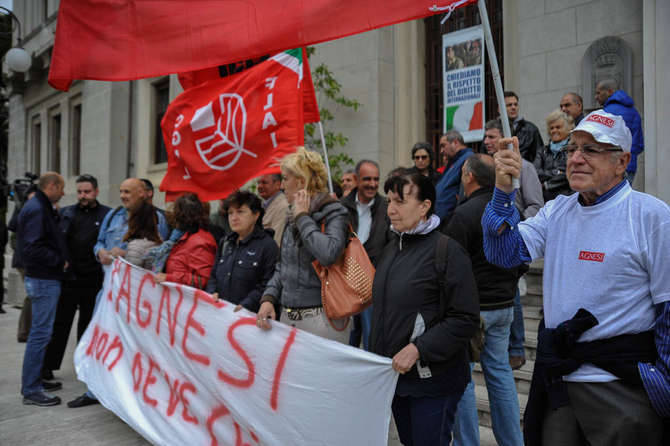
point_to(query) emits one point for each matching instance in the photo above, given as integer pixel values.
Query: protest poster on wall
(463, 82)
(181, 368)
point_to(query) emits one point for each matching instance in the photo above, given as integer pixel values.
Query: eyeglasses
(420, 157)
(588, 151)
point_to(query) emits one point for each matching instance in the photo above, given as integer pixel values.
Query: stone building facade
(111, 130)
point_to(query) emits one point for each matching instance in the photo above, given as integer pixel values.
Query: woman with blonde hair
(551, 161)
(295, 284)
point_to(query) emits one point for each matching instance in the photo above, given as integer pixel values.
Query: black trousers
(71, 299)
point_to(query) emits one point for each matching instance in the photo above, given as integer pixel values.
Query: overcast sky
(6, 3)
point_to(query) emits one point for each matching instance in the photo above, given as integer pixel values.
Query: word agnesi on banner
(134, 309)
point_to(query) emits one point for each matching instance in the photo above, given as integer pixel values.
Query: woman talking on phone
(295, 284)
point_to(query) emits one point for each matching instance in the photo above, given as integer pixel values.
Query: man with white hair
(602, 373)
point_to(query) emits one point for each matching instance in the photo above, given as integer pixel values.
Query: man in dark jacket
(530, 140)
(449, 186)
(368, 213)
(44, 255)
(619, 103)
(497, 287)
(80, 225)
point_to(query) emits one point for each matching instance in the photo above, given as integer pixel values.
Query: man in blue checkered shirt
(602, 375)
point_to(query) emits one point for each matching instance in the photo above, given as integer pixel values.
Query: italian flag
(464, 117)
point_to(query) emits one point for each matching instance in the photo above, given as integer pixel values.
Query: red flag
(222, 133)
(119, 40)
(311, 109)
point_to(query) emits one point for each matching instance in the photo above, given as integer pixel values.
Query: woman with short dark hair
(424, 157)
(245, 259)
(425, 311)
(191, 254)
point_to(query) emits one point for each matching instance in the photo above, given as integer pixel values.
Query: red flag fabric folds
(222, 133)
(310, 107)
(119, 40)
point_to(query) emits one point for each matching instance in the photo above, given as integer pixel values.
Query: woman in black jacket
(245, 259)
(426, 309)
(551, 160)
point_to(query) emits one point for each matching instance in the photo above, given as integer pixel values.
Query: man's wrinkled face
(491, 137)
(268, 185)
(595, 173)
(86, 194)
(368, 183)
(570, 106)
(512, 105)
(132, 193)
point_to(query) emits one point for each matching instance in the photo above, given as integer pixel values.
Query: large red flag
(119, 40)
(310, 107)
(222, 133)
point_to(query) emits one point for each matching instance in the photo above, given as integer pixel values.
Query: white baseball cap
(606, 128)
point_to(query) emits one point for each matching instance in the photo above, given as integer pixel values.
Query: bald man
(44, 255)
(110, 244)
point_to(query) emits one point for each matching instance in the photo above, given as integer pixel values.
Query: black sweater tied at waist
(559, 354)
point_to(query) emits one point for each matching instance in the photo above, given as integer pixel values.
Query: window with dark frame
(75, 140)
(161, 102)
(36, 139)
(54, 143)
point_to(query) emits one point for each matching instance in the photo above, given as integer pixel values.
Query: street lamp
(17, 58)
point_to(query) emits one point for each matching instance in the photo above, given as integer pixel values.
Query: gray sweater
(529, 198)
(295, 283)
(137, 250)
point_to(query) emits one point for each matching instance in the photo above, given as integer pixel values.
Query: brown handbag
(346, 285)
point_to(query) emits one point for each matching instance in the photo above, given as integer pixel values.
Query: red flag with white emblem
(222, 133)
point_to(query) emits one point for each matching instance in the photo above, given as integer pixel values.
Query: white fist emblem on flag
(223, 147)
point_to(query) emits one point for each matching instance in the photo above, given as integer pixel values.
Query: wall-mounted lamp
(17, 58)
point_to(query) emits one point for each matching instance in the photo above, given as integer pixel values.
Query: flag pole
(325, 155)
(497, 82)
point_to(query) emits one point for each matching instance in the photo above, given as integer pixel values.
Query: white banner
(463, 82)
(181, 368)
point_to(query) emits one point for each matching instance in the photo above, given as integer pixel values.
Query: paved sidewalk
(59, 425)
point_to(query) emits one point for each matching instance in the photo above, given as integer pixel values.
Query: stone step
(522, 377)
(531, 300)
(484, 411)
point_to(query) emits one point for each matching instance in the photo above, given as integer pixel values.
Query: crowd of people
(451, 241)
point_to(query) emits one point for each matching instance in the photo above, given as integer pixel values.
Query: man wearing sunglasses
(602, 374)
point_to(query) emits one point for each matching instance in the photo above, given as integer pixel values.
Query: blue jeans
(517, 334)
(499, 377)
(424, 421)
(44, 298)
(362, 326)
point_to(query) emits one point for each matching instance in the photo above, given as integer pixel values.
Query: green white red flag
(224, 132)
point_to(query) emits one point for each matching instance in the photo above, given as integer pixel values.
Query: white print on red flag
(224, 132)
(463, 82)
(180, 368)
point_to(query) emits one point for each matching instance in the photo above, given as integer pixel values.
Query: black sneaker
(82, 401)
(41, 399)
(50, 386)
